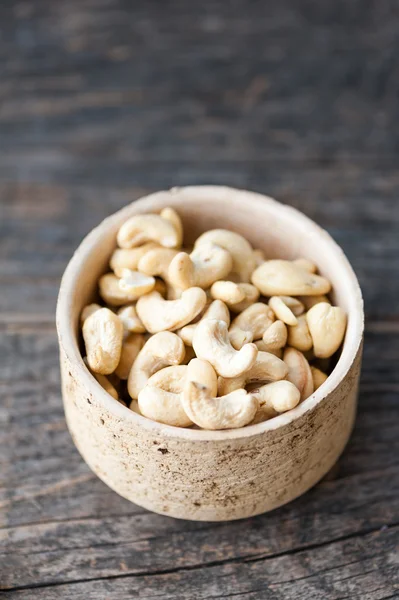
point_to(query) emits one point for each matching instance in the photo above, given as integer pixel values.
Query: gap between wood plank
(242, 559)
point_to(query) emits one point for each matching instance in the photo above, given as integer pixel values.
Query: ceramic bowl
(211, 475)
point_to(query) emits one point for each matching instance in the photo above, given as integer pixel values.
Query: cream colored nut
(88, 311)
(206, 264)
(112, 293)
(260, 344)
(130, 319)
(282, 311)
(157, 261)
(123, 258)
(228, 292)
(140, 229)
(103, 334)
(211, 342)
(276, 398)
(136, 283)
(327, 325)
(239, 337)
(310, 301)
(318, 377)
(297, 307)
(160, 399)
(171, 215)
(299, 372)
(161, 350)
(284, 278)
(259, 257)
(299, 336)
(239, 248)
(228, 412)
(275, 336)
(255, 320)
(216, 310)
(251, 296)
(305, 264)
(158, 314)
(267, 367)
(130, 348)
(202, 372)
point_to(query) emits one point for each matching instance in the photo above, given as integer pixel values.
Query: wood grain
(102, 101)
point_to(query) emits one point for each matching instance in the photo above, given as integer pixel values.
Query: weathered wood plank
(362, 568)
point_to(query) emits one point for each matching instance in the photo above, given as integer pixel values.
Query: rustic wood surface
(104, 100)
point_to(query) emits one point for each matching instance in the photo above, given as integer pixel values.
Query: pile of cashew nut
(216, 336)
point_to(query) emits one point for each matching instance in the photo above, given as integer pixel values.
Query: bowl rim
(69, 343)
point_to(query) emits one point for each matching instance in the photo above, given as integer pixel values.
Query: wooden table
(104, 100)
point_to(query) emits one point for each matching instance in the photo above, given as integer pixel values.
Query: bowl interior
(281, 231)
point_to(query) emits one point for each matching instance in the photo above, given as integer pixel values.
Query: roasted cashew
(171, 215)
(305, 264)
(140, 229)
(318, 377)
(228, 412)
(116, 294)
(157, 261)
(216, 310)
(103, 334)
(275, 336)
(299, 372)
(267, 367)
(158, 314)
(130, 319)
(160, 399)
(239, 248)
(275, 398)
(282, 311)
(299, 336)
(131, 346)
(253, 321)
(88, 311)
(327, 325)
(161, 350)
(211, 342)
(123, 258)
(206, 264)
(284, 278)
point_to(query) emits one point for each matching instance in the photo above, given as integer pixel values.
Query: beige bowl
(208, 475)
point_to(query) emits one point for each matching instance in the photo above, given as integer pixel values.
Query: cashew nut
(202, 372)
(251, 296)
(260, 344)
(299, 372)
(282, 311)
(130, 319)
(327, 326)
(130, 348)
(309, 301)
(299, 336)
(227, 412)
(284, 278)
(158, 314)
(206, 264)
(132, 288)
(88, 311)
(123, 258)
(275, 336)
(160, 399)
(318, 377)
(147, 228)
(103, 334)
(211, 342)
(306, 264)
(228, 292)
(161, 350)
(254, 320)
(239, 248)
(216, 310)
(171, 215)
(157, 261)
(267, 367)
(275, 398)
